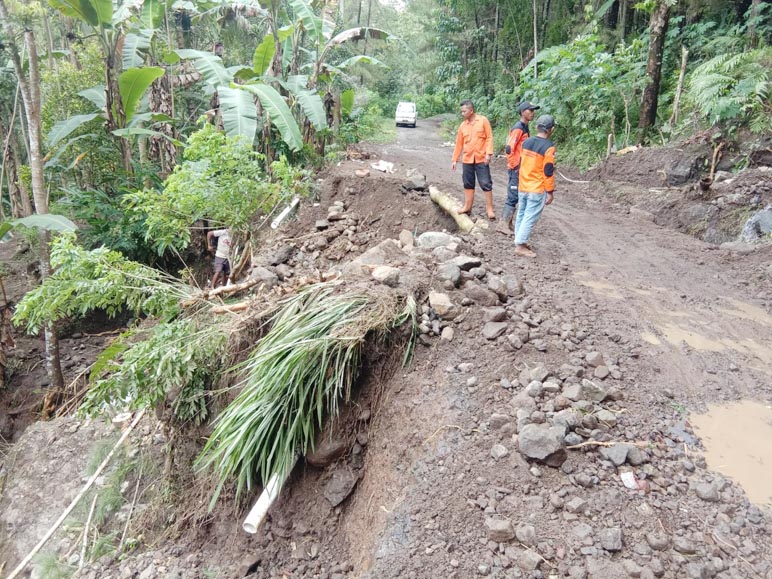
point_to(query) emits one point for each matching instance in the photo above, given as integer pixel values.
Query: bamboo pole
(450, 205)
(20, 567)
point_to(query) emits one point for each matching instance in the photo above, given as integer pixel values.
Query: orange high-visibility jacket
(517, 135)
(537, 166)
(475, 137)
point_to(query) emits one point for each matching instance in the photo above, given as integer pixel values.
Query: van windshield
(405, 107)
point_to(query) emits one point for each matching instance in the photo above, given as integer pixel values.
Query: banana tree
(123, 32)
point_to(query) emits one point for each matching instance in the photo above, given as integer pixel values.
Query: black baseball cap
(527, 106)
(545, 122)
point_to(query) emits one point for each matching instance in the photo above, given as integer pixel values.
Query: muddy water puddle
(736, 438)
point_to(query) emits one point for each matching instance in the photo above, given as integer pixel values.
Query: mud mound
(379, 198)
(655, 166)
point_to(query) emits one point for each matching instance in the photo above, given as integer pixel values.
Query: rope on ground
(571, 180)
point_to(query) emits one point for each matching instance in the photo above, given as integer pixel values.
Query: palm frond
(296, 376)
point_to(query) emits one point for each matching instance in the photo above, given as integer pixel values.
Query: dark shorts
(221, 265)
(479, 170)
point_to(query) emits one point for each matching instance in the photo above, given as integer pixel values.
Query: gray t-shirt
(223, 243)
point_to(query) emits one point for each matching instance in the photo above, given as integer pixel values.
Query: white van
(406, 114)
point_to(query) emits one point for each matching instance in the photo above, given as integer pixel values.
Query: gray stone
(386, 275)
(576, 505)
(443, 254)
(493, 330)
(594, 359)
(582, 531)
(322, 224)
(281, 255)
(591, 391)
(326, 452)
(475, 292)
(432, 239)
(534, 389)
(514, 285)
(499, 530)
(449, 272)
(606, 417)
(498, 286)
(611, 539)
(499, 451)
(494, 314)
(758, 226)
(529, 561)
(601, 372)
(340, 485)
(539, 373)
(573, 392)
(684, 546)
(465, 263)
(544, 443)
(406, 238)
(497, 421)
(632, 568)
(708, 492)
(265, 277)
(442, 305)
(526, 534)
(657, 541)
(617, 454)
(447, 334)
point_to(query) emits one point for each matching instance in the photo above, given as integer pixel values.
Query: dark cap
(545, 122)
(526, 106)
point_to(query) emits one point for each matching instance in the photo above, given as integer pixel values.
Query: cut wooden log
(450, 205)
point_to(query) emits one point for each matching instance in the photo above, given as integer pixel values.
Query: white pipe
(283, 215)
(267, 497)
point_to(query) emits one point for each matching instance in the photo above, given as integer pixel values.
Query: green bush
(585, 88)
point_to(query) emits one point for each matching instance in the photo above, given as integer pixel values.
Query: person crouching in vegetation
(475, 138)
(517, 135)
(536, 186)
(222, 267)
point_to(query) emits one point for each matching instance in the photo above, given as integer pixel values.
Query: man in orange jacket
(517, 135)
(475, 138)
(536, 187)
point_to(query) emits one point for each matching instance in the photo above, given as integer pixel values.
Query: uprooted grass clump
(298, 373)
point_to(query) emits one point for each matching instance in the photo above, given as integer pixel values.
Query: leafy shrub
(221, 179)
(585, 88)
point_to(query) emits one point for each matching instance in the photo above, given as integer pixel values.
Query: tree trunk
(658, 28)
(30, 93)
(116, 117)
(679, 86)
(623, 23)
(545, 19)
(535, 42)
(752, 17)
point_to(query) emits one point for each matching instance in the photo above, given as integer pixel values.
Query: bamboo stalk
(450, 205)
(85, 533)
(20, 567)
(226, 289)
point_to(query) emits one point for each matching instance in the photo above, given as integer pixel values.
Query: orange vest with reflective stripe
(537, 166)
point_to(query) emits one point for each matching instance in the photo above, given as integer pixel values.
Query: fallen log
(226, 289)
(450, 205)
